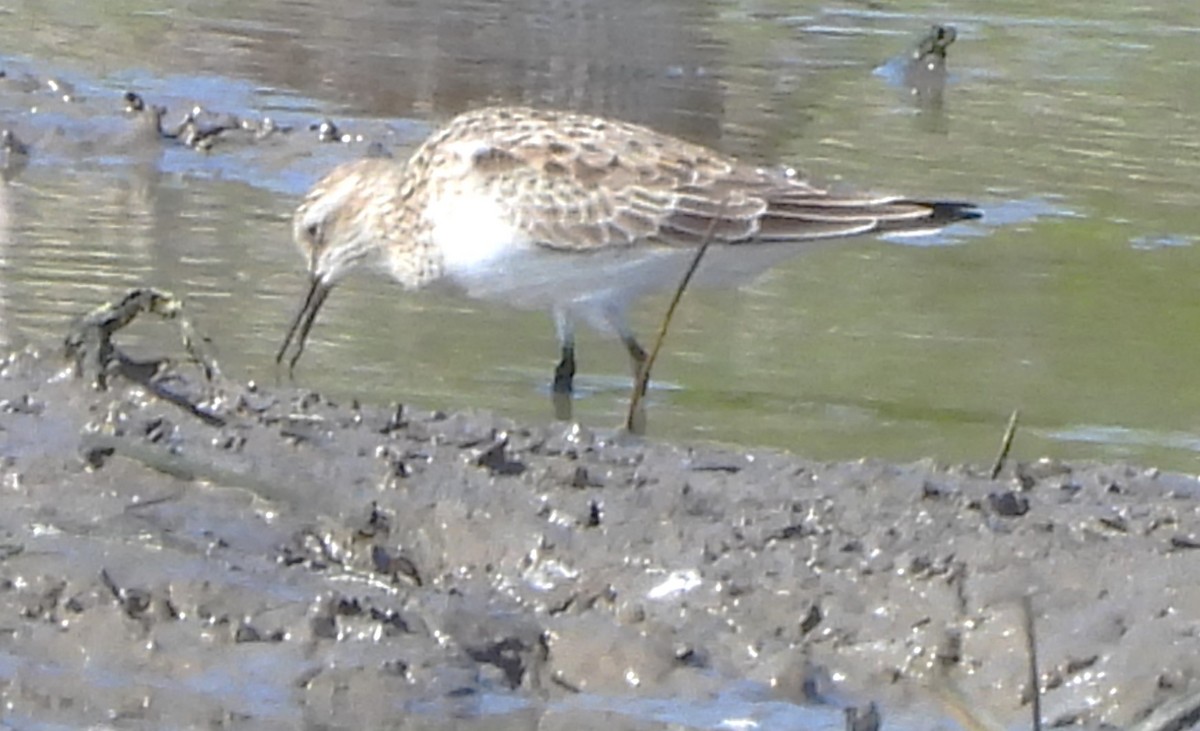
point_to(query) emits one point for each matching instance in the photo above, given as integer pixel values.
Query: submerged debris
(89, 342)
(202, 128)
(326, 131)
(930, 52)
(925, 73)
(922, 70)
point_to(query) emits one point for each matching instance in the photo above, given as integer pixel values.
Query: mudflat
(181, 549)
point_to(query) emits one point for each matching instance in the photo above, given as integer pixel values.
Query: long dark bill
(303, 322)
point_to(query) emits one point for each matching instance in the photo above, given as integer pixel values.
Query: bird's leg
(564, 377)
(637, 357)
(564, 373)
(638, 360)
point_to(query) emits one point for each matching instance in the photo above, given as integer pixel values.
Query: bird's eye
(313, 230)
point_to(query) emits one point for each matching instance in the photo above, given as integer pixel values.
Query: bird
(568, 211)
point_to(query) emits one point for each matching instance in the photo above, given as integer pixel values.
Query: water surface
(1074, 126)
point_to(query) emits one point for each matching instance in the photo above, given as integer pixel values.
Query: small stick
(643, 377)
(1031, 648)
(1005, 444)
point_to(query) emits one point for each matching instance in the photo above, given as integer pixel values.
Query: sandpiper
(572, 212)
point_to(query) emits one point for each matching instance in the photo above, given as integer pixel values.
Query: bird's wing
(574, 182)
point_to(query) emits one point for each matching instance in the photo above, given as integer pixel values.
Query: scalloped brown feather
(574, 182)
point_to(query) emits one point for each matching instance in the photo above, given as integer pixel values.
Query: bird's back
(574, 182)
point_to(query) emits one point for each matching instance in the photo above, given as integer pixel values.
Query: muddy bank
(181, 551)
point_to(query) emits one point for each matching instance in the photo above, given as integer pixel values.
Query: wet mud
(179, 549)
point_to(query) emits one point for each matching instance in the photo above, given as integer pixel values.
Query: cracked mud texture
(181, 552)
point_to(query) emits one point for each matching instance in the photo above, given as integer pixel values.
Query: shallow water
(1073, 301)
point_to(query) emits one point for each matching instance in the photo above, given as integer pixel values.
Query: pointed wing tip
(947, 212)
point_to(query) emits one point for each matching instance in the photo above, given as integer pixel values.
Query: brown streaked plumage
(567, 211)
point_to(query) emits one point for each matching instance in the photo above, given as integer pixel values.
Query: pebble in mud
(1008, 504)
(327, 131)
(147, 118)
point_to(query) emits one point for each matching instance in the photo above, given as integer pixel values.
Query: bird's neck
(410, 256)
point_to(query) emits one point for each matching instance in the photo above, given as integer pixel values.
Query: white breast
(471, 233)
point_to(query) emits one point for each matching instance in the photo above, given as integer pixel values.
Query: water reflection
(652, 63)
(861, 349)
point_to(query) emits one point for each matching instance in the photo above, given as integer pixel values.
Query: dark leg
(564, 372)
(637, 358)
(564, 383)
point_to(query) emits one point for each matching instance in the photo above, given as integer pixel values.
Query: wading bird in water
(571, 212)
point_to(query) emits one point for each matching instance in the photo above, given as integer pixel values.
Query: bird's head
(344, 220)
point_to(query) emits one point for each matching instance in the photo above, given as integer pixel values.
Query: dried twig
(633, 423)
(1035, 687)
(1005, 444)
